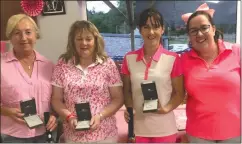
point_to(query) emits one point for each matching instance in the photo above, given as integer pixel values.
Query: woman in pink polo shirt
(212, 80)
(85, 73)
(25, 74)
(153, 63)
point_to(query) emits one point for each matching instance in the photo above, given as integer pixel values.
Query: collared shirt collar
(11, 57)
(221, 45)
(98, 61)
(155, 57)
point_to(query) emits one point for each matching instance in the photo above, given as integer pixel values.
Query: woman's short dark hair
(218, 33)
(148, 13)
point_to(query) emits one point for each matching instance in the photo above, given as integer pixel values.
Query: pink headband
(203, 7)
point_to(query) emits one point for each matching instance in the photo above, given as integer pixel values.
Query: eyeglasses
(203, 29)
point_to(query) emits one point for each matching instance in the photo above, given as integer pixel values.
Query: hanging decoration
(32, 7)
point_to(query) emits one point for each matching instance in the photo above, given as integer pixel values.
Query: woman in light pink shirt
(152, 62)
(84, 73)
(25, 74)
(212, 79)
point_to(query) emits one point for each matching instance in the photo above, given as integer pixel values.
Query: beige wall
(54, 29)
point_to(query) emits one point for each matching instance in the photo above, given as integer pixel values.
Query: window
(114, 26)
(225, 18)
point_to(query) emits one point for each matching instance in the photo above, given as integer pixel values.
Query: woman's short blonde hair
(80, 26)
(15, 19)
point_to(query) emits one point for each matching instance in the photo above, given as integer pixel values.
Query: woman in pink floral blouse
(85, 73)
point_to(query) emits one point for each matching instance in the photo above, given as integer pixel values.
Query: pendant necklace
(29, 67)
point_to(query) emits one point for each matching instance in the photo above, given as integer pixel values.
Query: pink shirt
(16, 85)
(213, 104)
(164, 66)
(89, 84)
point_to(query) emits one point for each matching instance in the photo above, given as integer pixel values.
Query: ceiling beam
(129, 6)
(108, 3)
(152, 3)
(130, 10)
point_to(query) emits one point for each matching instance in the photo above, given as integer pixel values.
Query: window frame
(83, 6)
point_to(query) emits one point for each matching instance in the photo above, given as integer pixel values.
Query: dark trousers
(10, 139)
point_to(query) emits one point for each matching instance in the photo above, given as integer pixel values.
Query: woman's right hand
(72, 122)
(126, 116)
(16, 115)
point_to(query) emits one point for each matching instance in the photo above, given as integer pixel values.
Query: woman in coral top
(212, 80)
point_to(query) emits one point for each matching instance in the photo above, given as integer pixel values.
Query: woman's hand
(72, 122)
(16, 115)
(95, 122)
(126, 115)
(162, 110)
(52, 123)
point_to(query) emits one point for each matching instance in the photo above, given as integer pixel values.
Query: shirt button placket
(31, 90)
(83, 75)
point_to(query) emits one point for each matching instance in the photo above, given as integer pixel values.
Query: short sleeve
(236, 50)
(177, 67)
(114, 78)
(125, 69)
(58, 74)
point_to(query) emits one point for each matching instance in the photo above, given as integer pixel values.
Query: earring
(190, 44)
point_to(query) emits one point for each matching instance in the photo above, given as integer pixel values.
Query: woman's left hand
(95, 122)
(162, 110)
(52, 123)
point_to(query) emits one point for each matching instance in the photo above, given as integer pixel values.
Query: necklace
(29, 67)
(148, 57)
(22, 61)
